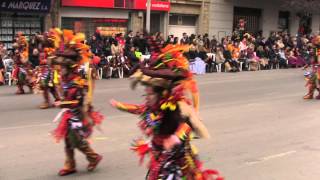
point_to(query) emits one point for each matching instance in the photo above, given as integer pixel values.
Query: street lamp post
(148, 15)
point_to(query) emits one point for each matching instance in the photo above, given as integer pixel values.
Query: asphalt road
(261, 129)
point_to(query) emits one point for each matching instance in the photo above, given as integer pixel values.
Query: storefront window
(12, 23)
(107, 27)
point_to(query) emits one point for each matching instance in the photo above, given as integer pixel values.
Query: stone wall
(52, 18)
(136, 22)
(221, 16)
(194, 7)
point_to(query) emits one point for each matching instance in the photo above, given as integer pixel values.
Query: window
(283, 22)
(173, 20)
(119, 3)
(184, 20)
(189, 20)
(251, 16)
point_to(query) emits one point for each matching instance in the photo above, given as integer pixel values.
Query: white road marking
(267, 158)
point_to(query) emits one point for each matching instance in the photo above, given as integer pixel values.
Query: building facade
(28, 17)
(189, 16)
(261, 16)
(112, 17)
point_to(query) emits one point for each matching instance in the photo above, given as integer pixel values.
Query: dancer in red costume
(169, 118)
(47, 73)
(77, 117)
(22, 72)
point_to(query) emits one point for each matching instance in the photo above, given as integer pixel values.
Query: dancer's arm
(131, 108)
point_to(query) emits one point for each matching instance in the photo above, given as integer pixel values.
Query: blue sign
(25, 5)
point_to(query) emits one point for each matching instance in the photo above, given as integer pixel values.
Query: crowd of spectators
(118, 53)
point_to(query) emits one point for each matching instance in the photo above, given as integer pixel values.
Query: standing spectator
(116, 49)
(128, 42)
(121, 40)
(143, 43)
(184, 39)
(129, 38)
(136, 39)
(95, 45)
(192, 38)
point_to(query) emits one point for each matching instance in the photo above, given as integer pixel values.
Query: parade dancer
(22, 72)
(169, 118)
(47, 73)
(77, 117)
(313, 77)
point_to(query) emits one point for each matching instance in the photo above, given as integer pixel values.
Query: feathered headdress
(316, 41)
(75, 52)
(23, 46)
(173, 67)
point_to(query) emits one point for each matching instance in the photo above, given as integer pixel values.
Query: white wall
(177, 30)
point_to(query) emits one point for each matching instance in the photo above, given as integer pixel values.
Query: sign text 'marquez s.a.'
(25, 5)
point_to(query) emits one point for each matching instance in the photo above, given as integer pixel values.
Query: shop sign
(155, 5)
(109, 31)
(110, 21)
(88, 3)
(138, 4)
(25, 5)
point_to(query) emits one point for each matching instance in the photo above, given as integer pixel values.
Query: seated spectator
(1, 72)
(294, 58)
(219, 55)
(282, 57)
(228, 57)
(193, 51)
(198, 66)
(253, 59)
(235, 54)
(261, 53)
(271, 55)
(115, 49)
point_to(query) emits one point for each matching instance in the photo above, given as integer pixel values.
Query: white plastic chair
(100, 73)
(219, 66)
(241, 65)
(146, 57)
(213, 57)
(109, 59)
(8, 65)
